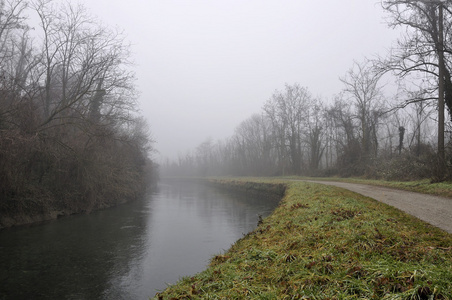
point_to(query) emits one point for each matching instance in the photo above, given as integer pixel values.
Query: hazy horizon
(205, 66)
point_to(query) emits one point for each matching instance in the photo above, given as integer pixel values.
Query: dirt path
(432, 209)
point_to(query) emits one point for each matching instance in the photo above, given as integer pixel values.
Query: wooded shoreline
(34, 211)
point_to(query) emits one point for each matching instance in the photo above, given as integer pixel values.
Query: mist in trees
(386, 122)
(70, 135)
(359, 133)
(423, 58)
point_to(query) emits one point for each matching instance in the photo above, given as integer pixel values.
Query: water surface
(130, 251)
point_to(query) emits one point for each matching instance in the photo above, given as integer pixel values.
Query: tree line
(367, 129)
(70, 135)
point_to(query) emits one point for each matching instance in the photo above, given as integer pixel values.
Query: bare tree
(316, 130)
(255, 145)
(84, 66)
(15, 56)
(362, 87)
(11, 21)
(288, 111)
(69, 128)
(425, 48)
(344, 138)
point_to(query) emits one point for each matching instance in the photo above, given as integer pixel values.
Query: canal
(127, 252)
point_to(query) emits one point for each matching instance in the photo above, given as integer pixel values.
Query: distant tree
(15, 56)
(421, 114)
(362, 88)
(345, 142)
(254, 144)
(205, 157)
(288, 111)
(12, 22)
(316, 124)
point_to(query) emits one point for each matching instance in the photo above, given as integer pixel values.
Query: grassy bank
(420, 186)
(327, 243)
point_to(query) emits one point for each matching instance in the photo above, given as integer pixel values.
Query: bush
(406, 166)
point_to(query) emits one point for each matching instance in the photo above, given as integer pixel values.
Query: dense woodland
(384, 123)
(70, 136)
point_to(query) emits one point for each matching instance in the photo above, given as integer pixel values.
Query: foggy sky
(205, 66)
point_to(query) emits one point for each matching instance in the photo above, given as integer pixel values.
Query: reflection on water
(126, 252)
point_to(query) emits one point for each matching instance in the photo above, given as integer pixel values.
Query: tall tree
(425, 48)
(11, 21)
(70, 138)
(15, 57)
(362, 88)
(315, 131)
(287, 111)
(84, 66)
(254, 140)
(344, 142)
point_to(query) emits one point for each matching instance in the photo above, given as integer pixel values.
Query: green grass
(421, 186)
(328, 243)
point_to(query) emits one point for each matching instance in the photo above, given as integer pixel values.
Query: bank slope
(324, 242)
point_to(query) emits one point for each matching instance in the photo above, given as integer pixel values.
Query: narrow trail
(431, 209)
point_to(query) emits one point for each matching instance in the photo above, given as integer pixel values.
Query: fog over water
(205, 66)
(129, 251)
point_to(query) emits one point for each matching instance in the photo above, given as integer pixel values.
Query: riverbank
(43, 206)
(274, 190)
(35, 212)
(323, 242)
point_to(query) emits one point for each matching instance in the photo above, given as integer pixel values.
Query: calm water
(126, 252)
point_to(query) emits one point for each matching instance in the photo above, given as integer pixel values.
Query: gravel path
(432, 209)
